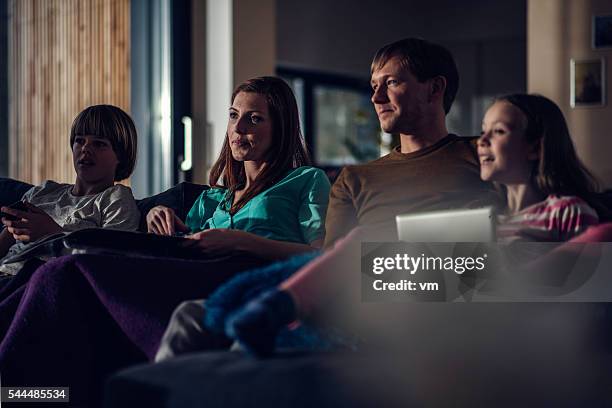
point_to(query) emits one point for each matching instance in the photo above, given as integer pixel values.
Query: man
(414, 83)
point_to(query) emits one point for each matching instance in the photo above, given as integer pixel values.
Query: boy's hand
(163, 221)
(31, 225)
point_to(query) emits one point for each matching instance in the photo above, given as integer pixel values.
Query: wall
(488, 40)
(559, 30)
(254, 32)
(233, 40)
(64, 55)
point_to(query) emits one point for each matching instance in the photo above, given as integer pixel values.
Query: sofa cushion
(231, 379)
(180, 198)
(445, 374)
(12, 190)
(604, 205)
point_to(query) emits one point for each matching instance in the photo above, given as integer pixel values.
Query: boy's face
(95, 161)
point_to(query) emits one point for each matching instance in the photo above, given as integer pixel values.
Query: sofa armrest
(595, 233)
(231, 379)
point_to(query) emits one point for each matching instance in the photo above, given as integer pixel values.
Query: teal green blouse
(292, 210)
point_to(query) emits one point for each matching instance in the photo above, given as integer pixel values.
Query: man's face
(400, 100)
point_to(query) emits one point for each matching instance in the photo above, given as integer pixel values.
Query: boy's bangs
(91, 122)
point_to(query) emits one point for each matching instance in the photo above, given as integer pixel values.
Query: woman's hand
(220, 240)
(163, 221)
(31, 225)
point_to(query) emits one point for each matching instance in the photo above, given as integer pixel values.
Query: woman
(101, 313)
(268, 203)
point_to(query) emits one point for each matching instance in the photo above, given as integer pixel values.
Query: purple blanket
(80, 318)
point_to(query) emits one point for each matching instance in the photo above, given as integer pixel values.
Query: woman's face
(249, 128)
(505, 156)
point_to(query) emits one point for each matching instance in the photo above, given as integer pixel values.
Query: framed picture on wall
(602, 31)
(587, 82)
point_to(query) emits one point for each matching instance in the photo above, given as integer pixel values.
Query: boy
(103, 141)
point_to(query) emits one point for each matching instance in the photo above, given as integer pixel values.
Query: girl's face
(505, 156)
(249, 128)
(94, 159)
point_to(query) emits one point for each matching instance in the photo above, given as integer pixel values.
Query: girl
(525, 147)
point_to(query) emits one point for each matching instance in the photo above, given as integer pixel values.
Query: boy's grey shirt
(113, 208)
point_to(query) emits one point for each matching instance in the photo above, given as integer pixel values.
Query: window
(337, 117)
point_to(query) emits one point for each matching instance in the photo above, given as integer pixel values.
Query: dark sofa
(504, 355)
(439, 363)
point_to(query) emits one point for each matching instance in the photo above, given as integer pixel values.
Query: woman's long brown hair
(287, 150)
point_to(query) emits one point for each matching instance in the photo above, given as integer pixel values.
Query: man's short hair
(425, 60)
